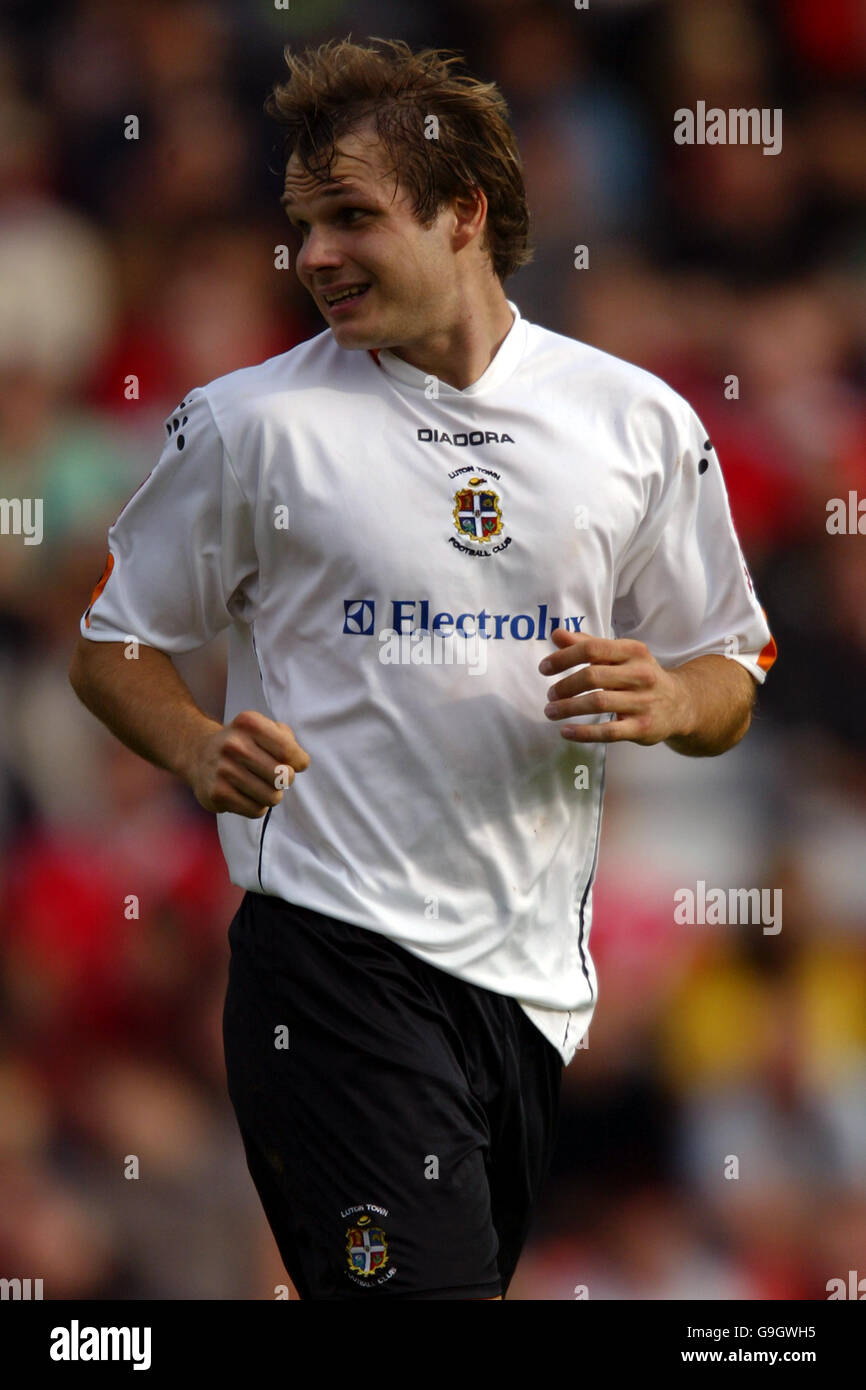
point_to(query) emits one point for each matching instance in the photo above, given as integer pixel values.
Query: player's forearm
(144, 702)
(717, 699)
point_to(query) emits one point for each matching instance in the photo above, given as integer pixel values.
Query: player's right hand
(242, 766)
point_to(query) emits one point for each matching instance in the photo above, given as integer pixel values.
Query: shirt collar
(503, 364)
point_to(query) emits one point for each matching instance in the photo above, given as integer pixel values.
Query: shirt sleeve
(684, 587)
(181, 562)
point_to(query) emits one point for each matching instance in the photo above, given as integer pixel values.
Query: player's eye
(347, 214)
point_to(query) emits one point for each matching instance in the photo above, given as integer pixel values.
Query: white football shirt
(390, 555)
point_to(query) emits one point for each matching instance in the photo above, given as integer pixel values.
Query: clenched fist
(243, 766)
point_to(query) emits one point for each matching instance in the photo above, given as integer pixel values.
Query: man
(409, 524)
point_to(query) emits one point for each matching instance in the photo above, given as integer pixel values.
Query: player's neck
(461, 352)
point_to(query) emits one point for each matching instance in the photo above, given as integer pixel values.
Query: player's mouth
(343, 298)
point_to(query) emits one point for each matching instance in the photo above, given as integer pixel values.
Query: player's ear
(470, 217)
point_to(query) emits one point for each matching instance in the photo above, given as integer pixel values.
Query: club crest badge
(477, 515)
(366, 1247)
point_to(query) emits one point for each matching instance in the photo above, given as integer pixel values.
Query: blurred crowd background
(155, 257)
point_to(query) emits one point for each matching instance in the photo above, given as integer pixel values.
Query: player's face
(360, 231)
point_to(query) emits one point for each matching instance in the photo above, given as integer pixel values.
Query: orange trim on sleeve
(770, 651)
(109, 566)
(768, 655)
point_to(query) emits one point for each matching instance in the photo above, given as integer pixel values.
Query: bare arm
(144, 702)
(718, 695)
(237, 767)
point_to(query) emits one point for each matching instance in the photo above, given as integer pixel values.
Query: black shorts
(398, 1122)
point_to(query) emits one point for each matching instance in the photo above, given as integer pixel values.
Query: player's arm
(718, 698)
(182, 564)
(693, 643)
(701, 708)
(147, 705)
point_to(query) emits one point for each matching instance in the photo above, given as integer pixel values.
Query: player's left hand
(623, 678)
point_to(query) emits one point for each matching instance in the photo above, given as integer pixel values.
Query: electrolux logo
(358, 615)
(407, 615)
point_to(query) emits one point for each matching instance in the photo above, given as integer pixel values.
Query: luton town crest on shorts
(366, 1247)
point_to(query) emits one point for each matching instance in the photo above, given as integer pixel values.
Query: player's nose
(319, 252)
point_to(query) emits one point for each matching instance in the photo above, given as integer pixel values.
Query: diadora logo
(408, 615)
(358, 616)
(462, 438)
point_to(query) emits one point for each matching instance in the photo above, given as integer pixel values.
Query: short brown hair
(334, 88)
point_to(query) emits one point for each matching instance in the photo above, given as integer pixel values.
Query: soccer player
(457, 556)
